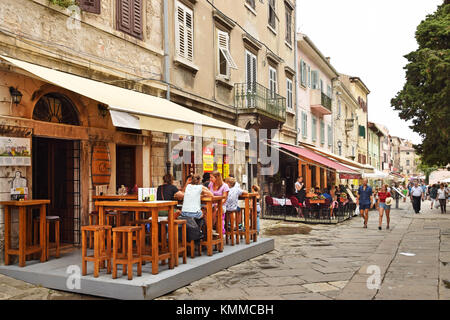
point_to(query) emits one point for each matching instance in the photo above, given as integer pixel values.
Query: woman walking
(433, 194)
(442, 197)
(383, 206)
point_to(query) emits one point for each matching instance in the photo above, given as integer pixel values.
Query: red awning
(319, 158)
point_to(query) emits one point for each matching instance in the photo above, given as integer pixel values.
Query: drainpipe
(167, 73)
(296, 79)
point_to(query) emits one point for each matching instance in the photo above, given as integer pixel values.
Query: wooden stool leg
(163, 240)
(83, 252)
(124, 253)
(91, 240)
(183, 243)
(47, 225)
(175, 244)
(108, 251)
(139, 250)
(233, 223)
(96, 254)
(57, 226)
(130, 255)
(114, 262)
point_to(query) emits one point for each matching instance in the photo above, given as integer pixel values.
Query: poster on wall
(15, 151)
(208, 159)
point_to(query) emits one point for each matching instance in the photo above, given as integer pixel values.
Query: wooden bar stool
(127, 257)
(93, 220)
(101, 253)
(56, 244)
(231, 226)
(180, 245)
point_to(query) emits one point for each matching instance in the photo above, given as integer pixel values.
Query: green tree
(425, 97)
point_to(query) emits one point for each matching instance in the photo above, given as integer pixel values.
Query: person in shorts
(364, 200)
(383, 194)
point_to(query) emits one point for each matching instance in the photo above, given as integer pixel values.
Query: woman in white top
(442, 197)
(192, 194)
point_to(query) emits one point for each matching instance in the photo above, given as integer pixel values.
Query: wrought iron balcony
(253, 97)
(320, 102)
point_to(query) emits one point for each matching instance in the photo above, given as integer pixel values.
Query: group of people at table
(324, 196)
(196, 187)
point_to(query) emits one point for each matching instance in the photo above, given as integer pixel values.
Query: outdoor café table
(210, 242)
(154, 207)
(250, 214)
(25, 207)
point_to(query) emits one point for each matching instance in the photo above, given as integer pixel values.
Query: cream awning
(137, 110)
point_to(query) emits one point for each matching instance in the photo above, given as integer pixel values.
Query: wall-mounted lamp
(16, 95)
(339, 143)
(102, 110)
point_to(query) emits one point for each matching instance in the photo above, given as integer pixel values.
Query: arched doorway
(56, 165)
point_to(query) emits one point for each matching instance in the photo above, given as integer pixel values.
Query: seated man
(317, 191)
(327, 195)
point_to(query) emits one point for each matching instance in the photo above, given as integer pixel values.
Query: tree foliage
(425, 97)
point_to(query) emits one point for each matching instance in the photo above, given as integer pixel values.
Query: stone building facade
(237, 66)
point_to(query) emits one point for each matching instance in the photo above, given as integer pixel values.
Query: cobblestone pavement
(323, 262)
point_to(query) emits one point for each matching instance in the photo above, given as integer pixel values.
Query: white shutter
(289, 93)
(189, 34)
(224, 45)
(184, 32)
(179, 31)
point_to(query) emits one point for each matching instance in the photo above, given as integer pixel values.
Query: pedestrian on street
(395, 195)
(416, 196)
(300, 190)
(442, 195)
(364, 200)
(405, 192)
(383, 196)
(433, 194)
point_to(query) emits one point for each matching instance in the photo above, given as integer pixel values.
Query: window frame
(304, 125)
(273, 81)
(314, 129)
(272, 7)
(288, 37)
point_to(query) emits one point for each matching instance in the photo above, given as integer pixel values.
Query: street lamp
(16, 95)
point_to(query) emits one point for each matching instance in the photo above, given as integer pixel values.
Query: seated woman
(192, 197)
(167, 190)
(235, 191)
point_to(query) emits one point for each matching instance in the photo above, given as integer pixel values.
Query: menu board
(15, 151)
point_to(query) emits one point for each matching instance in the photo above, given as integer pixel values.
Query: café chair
(55, 220)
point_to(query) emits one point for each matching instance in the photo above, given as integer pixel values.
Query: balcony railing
(326, 101)
(255, 96)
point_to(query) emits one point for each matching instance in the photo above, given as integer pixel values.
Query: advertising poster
(15, 151)
(208, 159)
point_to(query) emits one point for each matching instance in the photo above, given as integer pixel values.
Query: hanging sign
(349, 175)
(15, 151)
(208, 159)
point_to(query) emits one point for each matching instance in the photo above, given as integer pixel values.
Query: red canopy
(318, 158)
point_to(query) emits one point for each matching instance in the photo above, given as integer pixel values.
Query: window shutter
(223, 39)
(92, 6)
(129, 17)
(330, 136)
(309, 76)
(137, 19)
(190, 35)
(179, 31)
(322, 132)
(184, 32)
(124, 15)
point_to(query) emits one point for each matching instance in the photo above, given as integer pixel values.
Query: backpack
(193, 228)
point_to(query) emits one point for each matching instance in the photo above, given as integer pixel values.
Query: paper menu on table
(143, 193)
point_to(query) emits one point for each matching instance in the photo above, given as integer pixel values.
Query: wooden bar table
(210, 242)
(250, 216)
(154, 207)
(25, 207)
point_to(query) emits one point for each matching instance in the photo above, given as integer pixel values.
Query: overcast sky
(368, 39)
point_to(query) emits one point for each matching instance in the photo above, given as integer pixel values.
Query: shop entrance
(56, 176)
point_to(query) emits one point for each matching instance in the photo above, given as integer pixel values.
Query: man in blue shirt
(364, 200)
